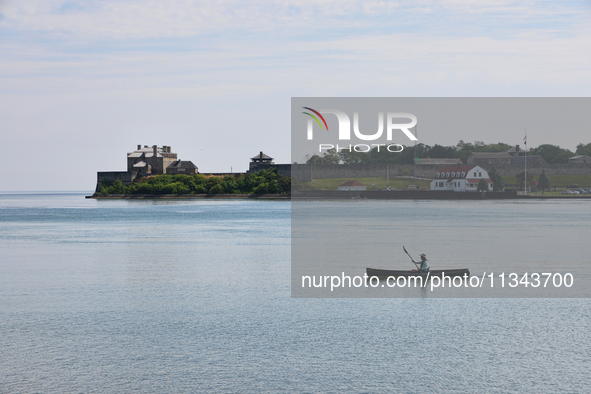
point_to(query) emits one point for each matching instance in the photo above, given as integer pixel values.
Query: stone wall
(308, 172)
(125, 177)
(551, 169)
(223, 174)
(282, 169)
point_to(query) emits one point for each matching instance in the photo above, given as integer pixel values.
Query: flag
(525, 140)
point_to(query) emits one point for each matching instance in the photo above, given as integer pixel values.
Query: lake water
(194, 296)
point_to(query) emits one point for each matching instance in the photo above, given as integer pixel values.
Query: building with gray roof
(439, 162)
(490, 158)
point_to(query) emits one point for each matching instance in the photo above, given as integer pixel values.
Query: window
(447, 174)
(437, 175)
(480, 174)
(453, 174)
(475, 173)
(463, 174)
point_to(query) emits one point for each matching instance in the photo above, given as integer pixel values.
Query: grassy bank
(397, 183)
(559, 181)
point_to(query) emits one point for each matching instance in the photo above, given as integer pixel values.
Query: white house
(352, 186)
(460, 178)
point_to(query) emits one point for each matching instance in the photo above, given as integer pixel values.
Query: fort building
(148, 160)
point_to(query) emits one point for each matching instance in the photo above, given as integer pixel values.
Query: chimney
(169, 149)
(139, 147)
(516, 148)
(261, 157)
(155, 150)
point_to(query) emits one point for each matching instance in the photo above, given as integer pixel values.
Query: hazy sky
(83, 82)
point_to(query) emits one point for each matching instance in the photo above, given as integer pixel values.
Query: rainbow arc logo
(315, 118)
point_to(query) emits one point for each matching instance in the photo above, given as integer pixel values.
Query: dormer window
(447, 174)
(437, 175)
(463, 174)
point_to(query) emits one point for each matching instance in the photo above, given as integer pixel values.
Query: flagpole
(525, 160)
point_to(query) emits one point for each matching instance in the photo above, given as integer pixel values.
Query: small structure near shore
(352, 186)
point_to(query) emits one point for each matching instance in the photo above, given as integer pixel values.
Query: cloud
(131, 19)
(107, 75)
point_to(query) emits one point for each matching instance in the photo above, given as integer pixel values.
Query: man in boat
(424, 266)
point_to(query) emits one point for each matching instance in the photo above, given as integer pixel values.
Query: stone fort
(161, 160)
(148, 160)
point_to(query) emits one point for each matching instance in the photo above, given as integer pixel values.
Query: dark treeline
(462, 150)
(262, 182)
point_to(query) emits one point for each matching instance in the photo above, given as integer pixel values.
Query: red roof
(457, 172)
(351, 183)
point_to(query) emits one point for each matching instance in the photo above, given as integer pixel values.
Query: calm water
(505, 236)
(194, 296)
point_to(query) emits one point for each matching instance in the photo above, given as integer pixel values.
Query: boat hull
(380, 273)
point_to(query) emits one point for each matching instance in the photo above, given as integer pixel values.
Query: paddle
(413, 260)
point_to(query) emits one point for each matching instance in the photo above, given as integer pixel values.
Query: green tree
(354, 157)
(117, 188)
(217, 189)
(261, 189)
(273, 187)
(331, 156)
(439, 151)
(200, 189)
(563, 157)
(584, 149)
(212, 181)
(482, 186)
(315, 159)
(497, 180)
(543, 182)
(552, 153)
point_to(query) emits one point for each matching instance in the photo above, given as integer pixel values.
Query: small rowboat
(386, 273)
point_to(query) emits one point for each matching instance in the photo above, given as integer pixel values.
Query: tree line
(499, 185)
(263, 182)
(462, 150)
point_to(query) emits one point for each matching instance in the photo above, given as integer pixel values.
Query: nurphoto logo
(344, 131)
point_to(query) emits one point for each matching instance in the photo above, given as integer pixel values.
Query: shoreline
(331, 195)
(191, 196)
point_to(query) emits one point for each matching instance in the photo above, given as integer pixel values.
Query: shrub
(273, 187)
(200, 189)
(261, 189)
(217, 189)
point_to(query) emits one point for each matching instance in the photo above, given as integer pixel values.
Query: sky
(82, 83)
